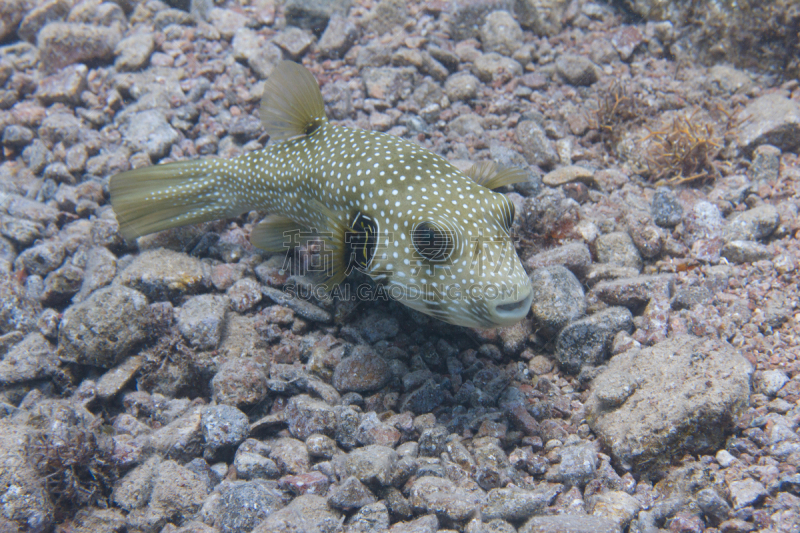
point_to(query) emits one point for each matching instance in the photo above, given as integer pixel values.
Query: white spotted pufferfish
(435, 238)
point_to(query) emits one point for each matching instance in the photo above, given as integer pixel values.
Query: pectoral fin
(276, 233)
(490, 175)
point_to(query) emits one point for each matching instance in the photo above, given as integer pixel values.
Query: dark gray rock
(576, 70)
(689, 390)
(224, 426)
(306, 416)
(60, 128)
(339, 36)
(515, 504)
(372, 465)
(588, 341)
(618, 248)
(766, 164)
(752, 225)
(444, 498)
(575, 256)
(163, 274)
(105, 328)
(535, 145)
(424, 399)
(201, 320)
(32, 358)
(361, 372)
(42, 258)
(305, 513)
(239, 381)
(740, 252)
(17, 136)
(713, 505)
(389, 83)
(370, 518)
(245, 504)
(558, 298)
(577, 467)
(350, 494)
(313, 14)
(666, 209)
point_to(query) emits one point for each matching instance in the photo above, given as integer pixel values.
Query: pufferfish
(433, 237)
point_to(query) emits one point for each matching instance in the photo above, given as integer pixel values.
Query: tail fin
(166, 196)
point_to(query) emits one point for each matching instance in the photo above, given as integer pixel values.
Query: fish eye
(432, 241)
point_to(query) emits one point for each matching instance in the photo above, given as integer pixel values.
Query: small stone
(617, 506)
(307, 416)
(339, 36)
(666, 209)
(386, 16)
(163, 274)
(443, 497)
(500, 33)
(713, 505)
(587, 341)
(201, 320)
(370, 518)
(574, 523)
(291, 455)
(133, 491)
(305, 513)
(558, 298)
(17, 136)
(149, 131)
(294, 41)
(514, 504)
(226, 21)
(771, 119)
(747, 492)
(61, 44)
(251, 461)
(308, 483)
(536, 147)
(464, 125)
(618, 249)
(224, 426)
(305, 309)
(350, 494)
(239, 381)
(243, 505)
(576, 70)
(741, 252)
(568, 174)
(424, 524)
(133, 52)
(177, 492)
(424, 399)
(105, 328)
(770, 382)
(493, 67)
(389, 83)
(64, 86)
(752, 225)
(113, 381)
(766, 164)
(575, 256)
(577, 466)
(462, 86)
(313, 15)
(372, 465)
(701, 380)
(244, 295)
(60, 127)
(31, 359)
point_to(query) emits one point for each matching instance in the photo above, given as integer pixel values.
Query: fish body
(435, 238)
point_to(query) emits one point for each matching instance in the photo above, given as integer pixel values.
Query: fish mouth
(508, 313)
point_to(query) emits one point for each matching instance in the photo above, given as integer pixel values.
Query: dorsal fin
(292, 103)
(490, 175)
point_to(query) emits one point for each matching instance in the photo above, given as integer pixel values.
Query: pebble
(134, 489)
(568, 174)
(389, 83)
(17, 136)
(741, 252)
(149, 131)
(306, 416)
(769, 382)
(461, 86)
(713, 505)
(588, 341)
(493, 67)
(308, 483)
(617, 506)
(746, 492)
(535, 145)
(224, 426)
(239, 381)
(31, 359)
(312, 15)
(133, 52)
(424, 399)
(177, 493)
(575, 256)
(291, 455)
(558, 298)
(251, 461)
(350, 494)
(63, 43)
(60, 127)
(576, 70)
(501, 33)
(770, 119)
(372, 517)
(574, 523)
(514, 504)
(64, 86)
(304, 309)
(338, 38)
(425, 524)
(618, 249)
(305, 513)
(164, 274)
(105, 328)
(294, 41)
(244, 295)
(112, 382)
(201, 320)
(666, 209)
(361, 372)
(443, 497)
(752, 225)
(692, 383)
(372, 465)
(766, 165)
(245, 504)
